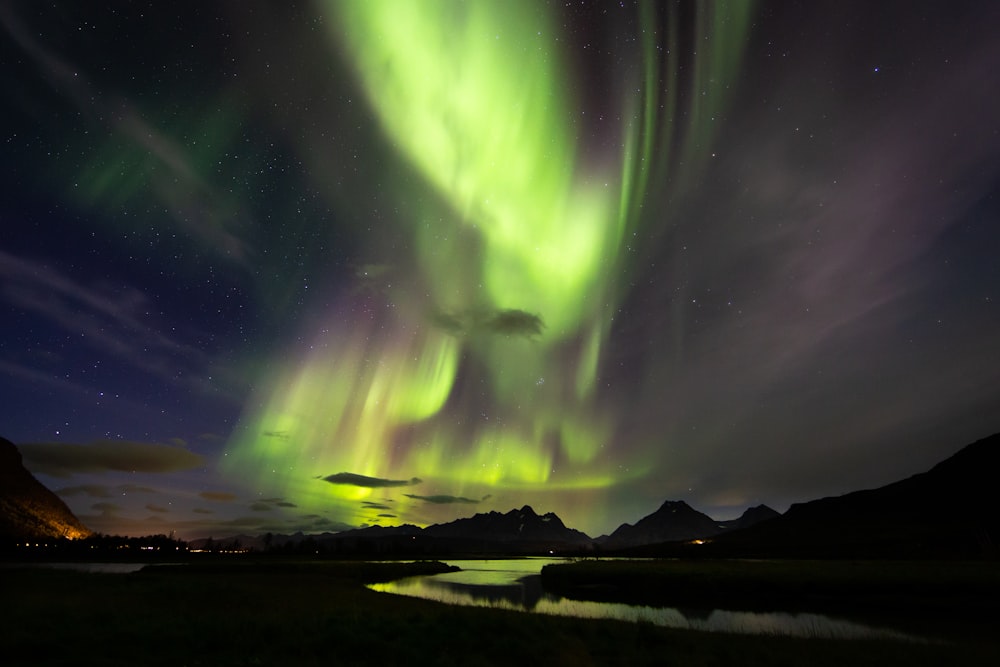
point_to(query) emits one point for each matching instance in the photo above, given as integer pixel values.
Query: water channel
(516, 585)
(81, 566)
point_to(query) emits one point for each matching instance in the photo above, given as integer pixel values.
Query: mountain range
(947, 511)
(519, 531)
(677, 521)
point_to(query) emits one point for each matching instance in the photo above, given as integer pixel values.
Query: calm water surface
(516, 585)
(105, 568)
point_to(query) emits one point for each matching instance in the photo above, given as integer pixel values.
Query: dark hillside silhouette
(674, 521)
(28, 510)
(950, 510)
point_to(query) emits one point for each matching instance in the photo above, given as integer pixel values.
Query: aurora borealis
(317, 265)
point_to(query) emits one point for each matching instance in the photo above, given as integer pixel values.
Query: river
(516, 584)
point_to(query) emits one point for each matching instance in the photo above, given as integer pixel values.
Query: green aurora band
(475, 368)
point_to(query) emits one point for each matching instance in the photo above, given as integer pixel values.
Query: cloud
(156, 508)
(42, 378)
(92, 490)
(443, 499)
(194, 204)
(134, 488)
(352, 479)
(218, 496)
(388, 516)
(268, 504)
(333, 526)
(199, 510)
(65, 460)
(506, 322)
(449, 323)
(374, 506)
(106, 509)
(102, 491)
(113, 320)
(515, 323)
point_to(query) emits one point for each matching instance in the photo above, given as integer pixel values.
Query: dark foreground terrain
(949, 601)
(319, 613)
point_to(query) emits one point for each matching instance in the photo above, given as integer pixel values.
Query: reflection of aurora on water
(470, 355)
(481, 584)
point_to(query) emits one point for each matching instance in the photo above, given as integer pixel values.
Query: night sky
(271, 266)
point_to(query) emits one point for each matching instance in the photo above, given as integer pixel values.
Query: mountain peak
(675, 520)
(753, 515)
(674, 505)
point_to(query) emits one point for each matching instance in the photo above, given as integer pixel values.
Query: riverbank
(302, 613)
(949, 599)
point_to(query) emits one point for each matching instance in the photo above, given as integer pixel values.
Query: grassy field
(298, 613)
(954, 600)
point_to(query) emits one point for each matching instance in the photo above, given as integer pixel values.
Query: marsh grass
(947, 599)
(321, 614)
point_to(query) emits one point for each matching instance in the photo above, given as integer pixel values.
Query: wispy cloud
(102, 491)
(113, 320)
(268, 504)
(374, 506)
(195, 206)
